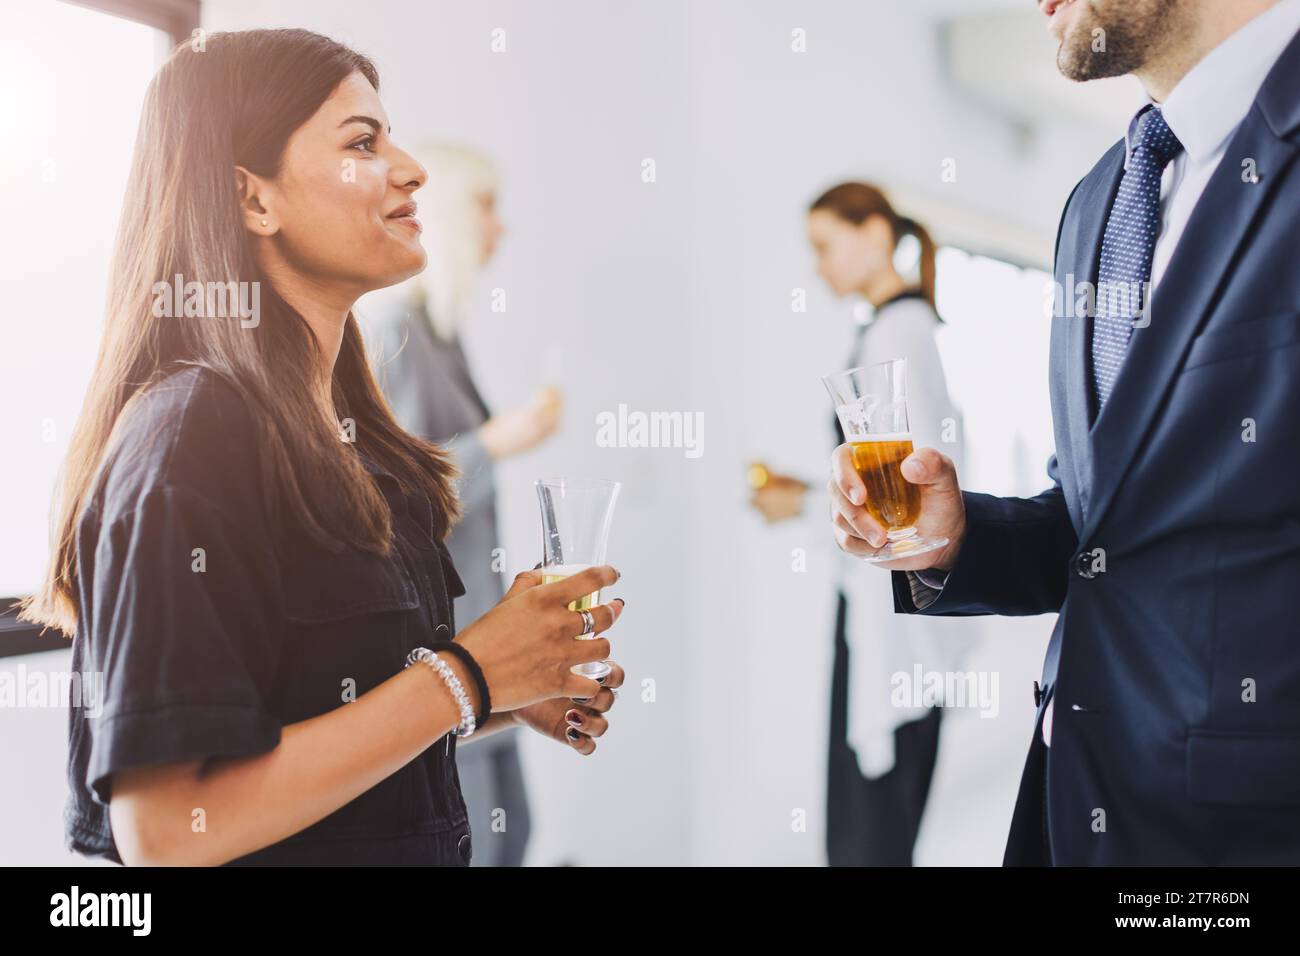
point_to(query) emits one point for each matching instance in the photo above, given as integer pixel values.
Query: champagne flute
(576, 515)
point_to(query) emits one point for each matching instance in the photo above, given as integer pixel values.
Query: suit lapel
(1077, 262)
(1216, 231)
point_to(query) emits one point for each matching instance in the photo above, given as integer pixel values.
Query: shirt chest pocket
(322, 587)
(350, 619)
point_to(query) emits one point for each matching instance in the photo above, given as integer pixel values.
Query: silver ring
(588, 623)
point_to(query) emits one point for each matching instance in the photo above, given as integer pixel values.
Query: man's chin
(1078, 62)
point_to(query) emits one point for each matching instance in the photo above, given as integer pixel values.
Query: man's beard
(1131, 30)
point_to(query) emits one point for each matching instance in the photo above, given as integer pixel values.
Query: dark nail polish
(620, 601)
(572, 734)
(574, 718)
(580, 700)
(601, 680)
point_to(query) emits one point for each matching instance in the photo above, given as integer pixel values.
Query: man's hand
(943, 513)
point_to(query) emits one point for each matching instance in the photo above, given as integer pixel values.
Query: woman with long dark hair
(248, 548)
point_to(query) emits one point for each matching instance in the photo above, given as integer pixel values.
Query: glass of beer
(576, 515)
(871, 404)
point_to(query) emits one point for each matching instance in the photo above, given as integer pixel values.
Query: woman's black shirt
(211, 634)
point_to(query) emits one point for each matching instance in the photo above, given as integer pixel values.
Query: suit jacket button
(463, 848)
(1083, 565)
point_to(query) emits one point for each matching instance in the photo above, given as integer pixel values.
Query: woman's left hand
(572, 722)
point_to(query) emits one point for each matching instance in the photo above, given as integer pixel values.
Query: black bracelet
(476, 672)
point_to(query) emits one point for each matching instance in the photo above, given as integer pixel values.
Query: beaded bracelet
(467, 720)
(475, 672)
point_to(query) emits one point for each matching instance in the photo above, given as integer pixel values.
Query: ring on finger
(588, 623)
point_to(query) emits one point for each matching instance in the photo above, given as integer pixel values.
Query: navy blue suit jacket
(1176, 669)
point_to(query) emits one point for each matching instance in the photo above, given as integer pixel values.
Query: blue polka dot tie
(1126, 250)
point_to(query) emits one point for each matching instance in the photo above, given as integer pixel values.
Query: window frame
(177, 19)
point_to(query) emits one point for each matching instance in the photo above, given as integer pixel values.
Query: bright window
(995, 355)
(72, 81)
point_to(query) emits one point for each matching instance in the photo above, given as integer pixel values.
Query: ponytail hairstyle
(855, 203)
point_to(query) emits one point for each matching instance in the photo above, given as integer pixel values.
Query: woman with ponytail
(882, 750)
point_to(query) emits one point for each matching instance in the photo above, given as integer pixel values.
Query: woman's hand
(779, 497)
(521, 428)
(526, 644)
(575, 722)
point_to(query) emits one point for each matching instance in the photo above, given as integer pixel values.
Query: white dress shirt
(1205, 109)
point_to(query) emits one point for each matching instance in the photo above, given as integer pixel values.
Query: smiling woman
(279, 186)
(236, 572)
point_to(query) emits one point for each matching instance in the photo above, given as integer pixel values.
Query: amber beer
(891, 499)
(871, 405)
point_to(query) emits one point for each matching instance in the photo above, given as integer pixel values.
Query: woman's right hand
(519, 429)
(526, 644)
(779, 497)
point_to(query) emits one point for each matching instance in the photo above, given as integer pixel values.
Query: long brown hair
(857, 202)
(235, 99)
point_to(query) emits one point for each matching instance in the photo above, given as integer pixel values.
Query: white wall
(34, 751)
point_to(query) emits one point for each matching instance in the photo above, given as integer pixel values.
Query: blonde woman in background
(423, 372)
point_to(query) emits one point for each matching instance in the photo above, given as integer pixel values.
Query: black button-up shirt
(211, 633)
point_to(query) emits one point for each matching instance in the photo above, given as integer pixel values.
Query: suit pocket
(1243, 769)
(1244, 338)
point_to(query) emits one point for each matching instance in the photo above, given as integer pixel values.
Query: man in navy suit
(1168, 722)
